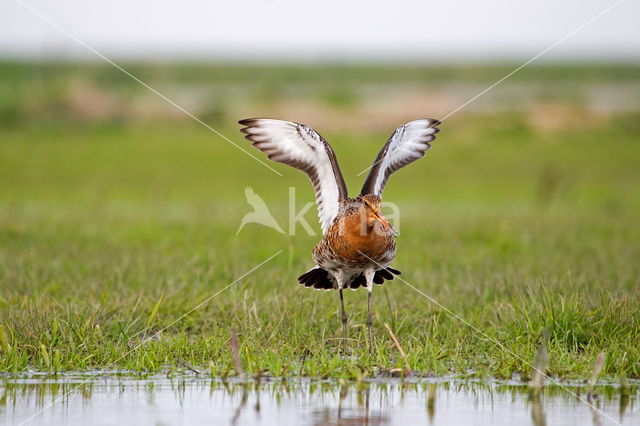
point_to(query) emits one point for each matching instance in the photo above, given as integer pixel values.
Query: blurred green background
(524, 215)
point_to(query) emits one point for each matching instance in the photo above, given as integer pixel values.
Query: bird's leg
(368, 274)
(369, 320)
(344, 316)
(338, 275)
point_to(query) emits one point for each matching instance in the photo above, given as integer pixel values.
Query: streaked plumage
(358, 244)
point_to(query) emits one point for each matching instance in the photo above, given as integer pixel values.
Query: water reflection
(193, 400)
(537, 413)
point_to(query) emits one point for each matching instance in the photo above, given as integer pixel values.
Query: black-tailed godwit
(358, 242)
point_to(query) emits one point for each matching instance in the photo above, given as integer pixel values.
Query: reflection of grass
(387, 393)
(185, 396)
(512, 228)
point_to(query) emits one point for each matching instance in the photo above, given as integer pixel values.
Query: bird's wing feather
(408, 143)
(302, 147)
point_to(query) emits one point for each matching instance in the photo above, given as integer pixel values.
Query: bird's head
(370, 210)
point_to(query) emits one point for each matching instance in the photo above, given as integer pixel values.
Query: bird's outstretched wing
(302, 147)
(408, 143)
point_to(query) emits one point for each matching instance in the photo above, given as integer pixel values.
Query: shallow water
(160, 400)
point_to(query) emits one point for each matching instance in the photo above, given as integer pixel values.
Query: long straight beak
(385, 222)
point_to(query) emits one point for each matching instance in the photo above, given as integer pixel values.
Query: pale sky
(302, 30)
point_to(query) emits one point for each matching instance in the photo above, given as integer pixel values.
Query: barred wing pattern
(408, 143)
(302, 147)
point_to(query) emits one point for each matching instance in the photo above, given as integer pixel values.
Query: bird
(358, 243)
(260, 213)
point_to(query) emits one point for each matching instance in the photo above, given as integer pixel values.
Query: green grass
(110, 232)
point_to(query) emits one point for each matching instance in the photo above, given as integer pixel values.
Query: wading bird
(358, 243)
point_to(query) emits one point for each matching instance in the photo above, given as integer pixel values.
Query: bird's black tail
(318, 278)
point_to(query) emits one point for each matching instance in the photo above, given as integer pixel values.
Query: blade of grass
(236, 354)
(407, 370)
(154, 311)
(597, 369)
(541, 364)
